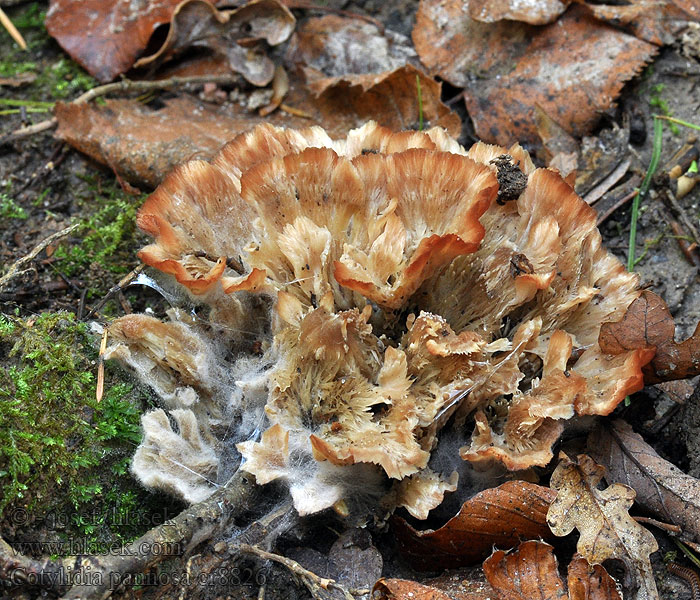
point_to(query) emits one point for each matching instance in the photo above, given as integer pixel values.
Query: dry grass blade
(12, 30)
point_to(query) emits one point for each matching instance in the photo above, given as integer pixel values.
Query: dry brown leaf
(661, 487)
(196, 23)
(495, 517)
(333, 47)
(142, 145)
(451, 585)
(655, 21)
(531, 572)
(106, 36)
(590, 582)
(403, 589)
(605, 527)
(649, 324)
(535, 12)
(574, 68)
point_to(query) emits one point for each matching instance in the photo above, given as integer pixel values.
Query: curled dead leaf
(232, 34)
(495, 517)
(531, 572)
(142, 144)
(106, 36)
(331, 48)
(534, 12)
(605, 527)
(557, 66)
(661, 487)
(403, 589)
(649, 324)
(590, 582)
(655, 21)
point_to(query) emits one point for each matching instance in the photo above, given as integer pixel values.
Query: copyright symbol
(19, 516)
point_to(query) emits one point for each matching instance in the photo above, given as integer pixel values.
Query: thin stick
(14, 270)
(12, 30)
(125, 85)
(660, 524)
(621, 202)
(99, 391)
(314, 583)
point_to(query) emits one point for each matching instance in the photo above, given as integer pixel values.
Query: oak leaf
(605, 527)
(648, 324)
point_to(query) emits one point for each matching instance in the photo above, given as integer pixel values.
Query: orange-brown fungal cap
(407, 288)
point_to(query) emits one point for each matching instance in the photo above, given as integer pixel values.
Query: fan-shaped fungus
(391, 291)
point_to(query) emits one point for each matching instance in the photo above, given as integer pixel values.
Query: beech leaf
(606, 529)
(142, 144)
(508, 67)
(649, 324)
(106, 36)
(531, 572)
(498, 516)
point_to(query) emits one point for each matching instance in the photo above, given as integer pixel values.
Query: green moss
(61, 451)
(9, 209)
(656, 101)
(108, 241)
(57, 80)
(65, 79)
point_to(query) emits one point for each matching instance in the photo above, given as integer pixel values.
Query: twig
(125, 85)
(123, 283)
(14, 269)
(12, 30)
(177, 536)
(45, 573)
(686, 248)
(660, 524)
(621, 202)
(678, 209)
(314, 583)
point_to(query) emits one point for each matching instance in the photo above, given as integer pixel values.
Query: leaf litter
(340, 89)
(606, 529)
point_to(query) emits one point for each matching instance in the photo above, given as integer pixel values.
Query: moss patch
(108, 237)
(64, 456)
